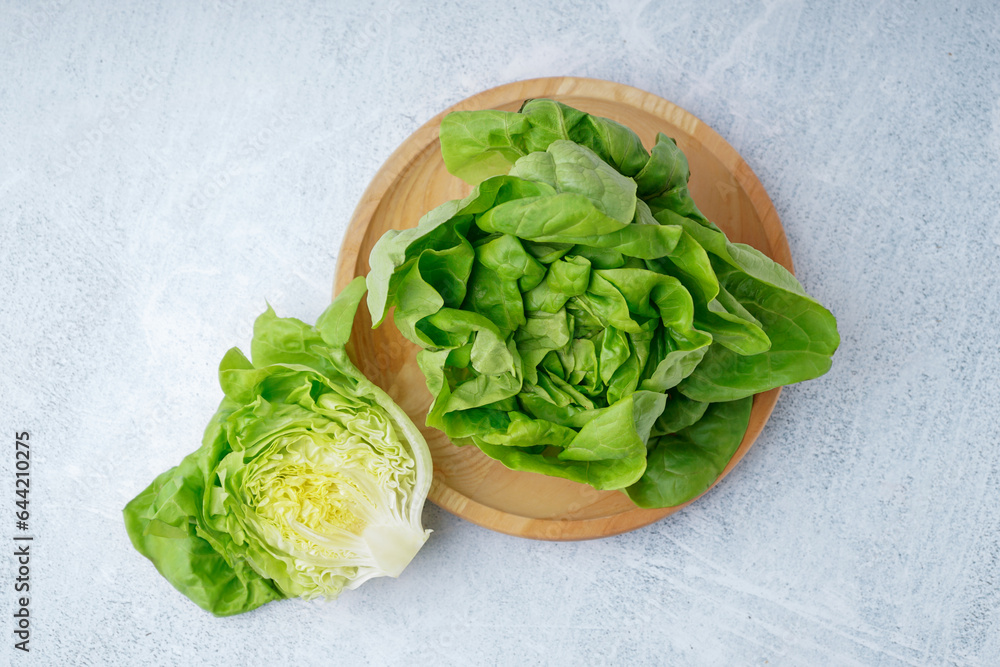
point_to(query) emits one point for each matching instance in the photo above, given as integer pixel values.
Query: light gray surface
(166, 167)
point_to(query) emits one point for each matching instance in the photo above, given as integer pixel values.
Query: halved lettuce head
(310, 478)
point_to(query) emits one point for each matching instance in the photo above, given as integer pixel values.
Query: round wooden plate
(414, 180)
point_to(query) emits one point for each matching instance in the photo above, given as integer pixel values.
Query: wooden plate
(414, 180)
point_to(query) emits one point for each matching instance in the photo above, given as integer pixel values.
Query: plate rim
(416, 143)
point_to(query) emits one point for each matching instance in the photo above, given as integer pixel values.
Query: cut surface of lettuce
(310, 479)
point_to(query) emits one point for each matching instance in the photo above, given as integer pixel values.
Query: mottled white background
(165, 167)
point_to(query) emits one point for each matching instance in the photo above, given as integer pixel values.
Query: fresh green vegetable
(685, 462)
(310, 479)
(578, 315)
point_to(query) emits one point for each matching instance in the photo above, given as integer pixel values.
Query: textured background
(165, 167)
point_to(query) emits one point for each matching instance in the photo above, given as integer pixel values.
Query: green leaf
(479, 144)
(162, 523)
(685, 464)
(579, 170)
(334, 325)
(803, 334)
(612, 142)
(572, 218)
(803, 338)
(679, 413)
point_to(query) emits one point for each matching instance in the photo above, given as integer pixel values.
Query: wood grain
(414, 180)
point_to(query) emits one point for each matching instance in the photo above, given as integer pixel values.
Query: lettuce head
(578, 316)
(310, 479)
